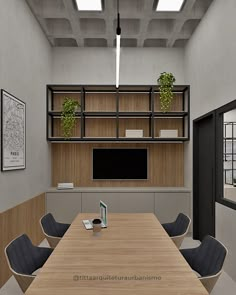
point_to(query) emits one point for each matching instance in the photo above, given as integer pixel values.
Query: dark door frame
(196, 208)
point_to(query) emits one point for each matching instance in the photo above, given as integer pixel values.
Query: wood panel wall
(24, 218)
(176, 105)
(95, 102)
(72, 162)
(134, 102)
(100, 127)
(132, 123)
(163, 123)
(58, 99)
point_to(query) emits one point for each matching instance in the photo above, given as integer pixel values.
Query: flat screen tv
(118, 164)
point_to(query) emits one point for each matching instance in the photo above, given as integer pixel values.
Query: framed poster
(12, 132)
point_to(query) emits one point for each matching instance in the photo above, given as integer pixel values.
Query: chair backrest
(209, 257)
(180, 225)
(49, 225)
(20, 254)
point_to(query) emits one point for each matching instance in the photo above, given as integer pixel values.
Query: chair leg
(178, 240)
(53, 241)
(24, 281)
(209, 282)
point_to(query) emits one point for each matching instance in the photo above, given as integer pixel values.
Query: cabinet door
(119, 202)
(90, 202)
(64, 206)
(169, 205)
(136, 202)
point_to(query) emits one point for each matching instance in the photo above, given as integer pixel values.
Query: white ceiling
(141, 25)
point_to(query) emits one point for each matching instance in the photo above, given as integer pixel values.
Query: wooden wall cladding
(72, 162)
(57, 128)
(163, 123)
(134, 102)
(100, 102)
(134, 123)
(59, 98)
(23, 218)
(100, 127)
(176, 105)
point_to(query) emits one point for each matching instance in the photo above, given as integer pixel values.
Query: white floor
(225, 284)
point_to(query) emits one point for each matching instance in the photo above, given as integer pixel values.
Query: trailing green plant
(68, 114)
(166, 81)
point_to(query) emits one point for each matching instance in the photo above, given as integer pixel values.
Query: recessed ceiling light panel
(89, 5)
(169, 5)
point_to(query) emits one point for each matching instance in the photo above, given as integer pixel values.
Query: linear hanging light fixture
(118, 33)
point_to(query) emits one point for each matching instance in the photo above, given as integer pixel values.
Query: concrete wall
(210, 70)
(97, 65)
(25, 69)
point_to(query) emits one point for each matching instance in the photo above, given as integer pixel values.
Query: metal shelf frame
(150, 115)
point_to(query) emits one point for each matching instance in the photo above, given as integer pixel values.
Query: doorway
(204, 176)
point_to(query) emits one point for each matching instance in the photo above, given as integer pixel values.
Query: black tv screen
(122, 163)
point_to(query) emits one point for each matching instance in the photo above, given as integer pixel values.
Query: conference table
(133, 255)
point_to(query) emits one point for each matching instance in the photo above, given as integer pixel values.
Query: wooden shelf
(170, 114)
(99, 114)
(58, 114)
(106, 113)
(134, 114)
(120, 139)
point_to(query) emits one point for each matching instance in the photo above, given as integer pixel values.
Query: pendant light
(118, 33)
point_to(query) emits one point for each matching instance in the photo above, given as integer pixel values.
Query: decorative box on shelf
(134, 133)
(168, 133)
(65, 185)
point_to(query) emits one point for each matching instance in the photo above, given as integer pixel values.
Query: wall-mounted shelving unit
(106, 113)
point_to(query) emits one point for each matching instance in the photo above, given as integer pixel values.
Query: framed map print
(12, 132)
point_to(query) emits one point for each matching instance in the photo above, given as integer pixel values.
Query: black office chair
(24, 258)
(178, 229)
(53, 230)
(207, 260)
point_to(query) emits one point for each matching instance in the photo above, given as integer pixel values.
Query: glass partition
(229, 155)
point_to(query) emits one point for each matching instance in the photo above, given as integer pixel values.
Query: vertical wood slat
(58, 131)
(58, 99)
(168, 124)
(176, 105)
(95, 102)
(134, 102)
(24, 218)
(100, 127)
(134, 123)
(72, 162)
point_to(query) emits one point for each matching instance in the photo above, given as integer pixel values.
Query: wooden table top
(134, 255)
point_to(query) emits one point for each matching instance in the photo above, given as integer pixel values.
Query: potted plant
(68, 114)
(166, 81)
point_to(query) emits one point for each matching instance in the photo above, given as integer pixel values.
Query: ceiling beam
(144, 22)
(41, 21)
(73, 17)
(178, 24)
(52, 17)
(109, 15)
